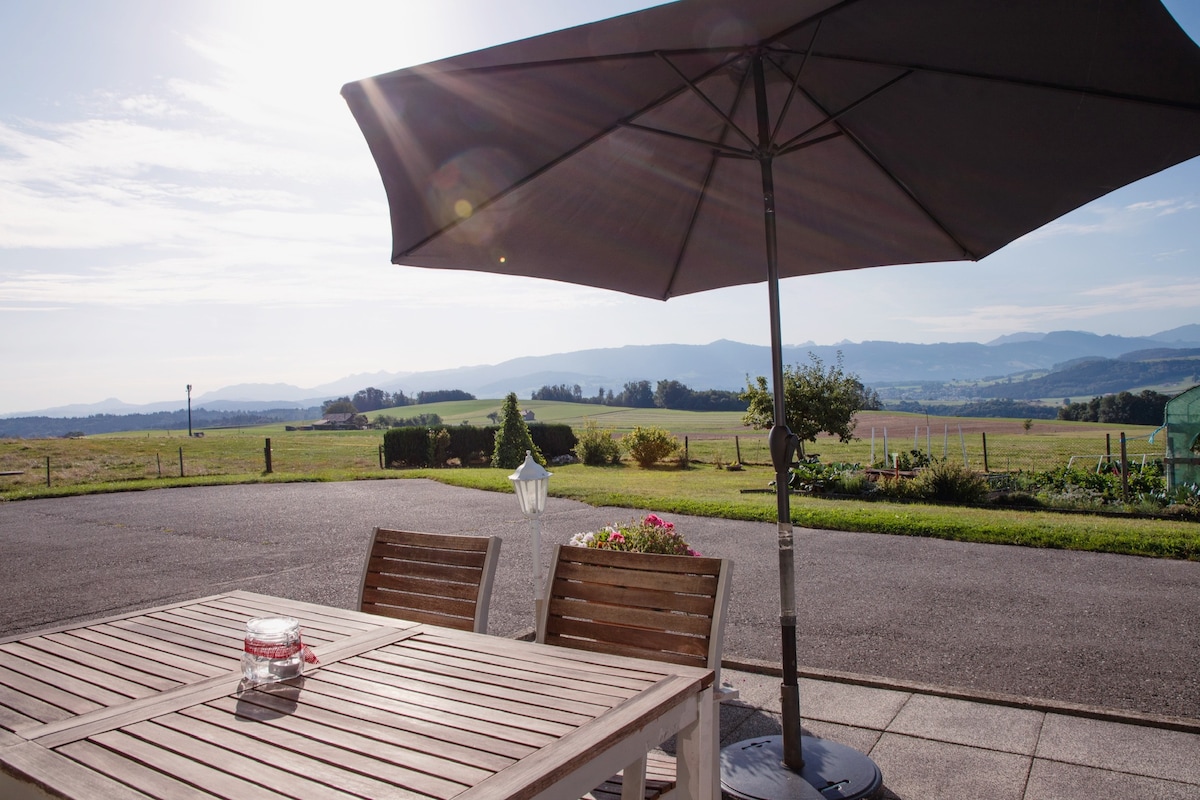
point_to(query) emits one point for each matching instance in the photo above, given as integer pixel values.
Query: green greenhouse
(1182, 423)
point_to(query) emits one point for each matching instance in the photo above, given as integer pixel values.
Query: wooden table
(152, 704)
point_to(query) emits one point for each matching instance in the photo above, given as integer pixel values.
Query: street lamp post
(531, 482)
(189, 390)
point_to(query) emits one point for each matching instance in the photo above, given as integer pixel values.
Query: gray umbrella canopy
(710, 143)
(625, 154)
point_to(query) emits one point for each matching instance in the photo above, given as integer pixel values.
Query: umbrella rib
(703, 193)
(796, 144)
(798, 141)
(705, 99)
(1013, 81)
(723, 148)
(787, 104)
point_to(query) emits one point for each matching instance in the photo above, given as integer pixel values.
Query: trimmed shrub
(439, 447)
(406, 447)
(596, 447)
(949, 482)
(471, 444)
(649, 445)
(553, 440)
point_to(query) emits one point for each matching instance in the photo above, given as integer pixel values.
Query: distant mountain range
(719, 365)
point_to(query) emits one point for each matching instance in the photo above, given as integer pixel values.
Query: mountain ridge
(722, 364)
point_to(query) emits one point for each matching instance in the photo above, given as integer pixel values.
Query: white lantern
(531, 482)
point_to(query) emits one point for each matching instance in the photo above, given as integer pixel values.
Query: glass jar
(272, 650)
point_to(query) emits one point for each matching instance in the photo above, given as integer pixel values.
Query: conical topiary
(513, 439)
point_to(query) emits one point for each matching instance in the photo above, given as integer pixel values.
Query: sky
(186, 199)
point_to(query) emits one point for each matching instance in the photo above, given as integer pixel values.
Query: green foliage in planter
(596, 446)
(649, 445)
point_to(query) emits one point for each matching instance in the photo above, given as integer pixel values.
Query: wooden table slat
(196, 722)
(482, 699)
(150, 782)
(115, 662)
(516, 741)
(152, 641)
(44, 669)
(103, 719)
(87, 679)
(13, 720)
(382, 726)
(220, 783)
(435, 704)
(588, 662)
(316, 614)
(327, 746)
(179, 735)
(521, 689)
(41, 693)
(219, 643)
(559, 671)
(172, 666)
(497, 673)
(104, 620)
(234, 623)
(37, 767)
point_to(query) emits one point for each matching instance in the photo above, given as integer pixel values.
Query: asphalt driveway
(1114, 631)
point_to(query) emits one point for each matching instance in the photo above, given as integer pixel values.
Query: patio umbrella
(709, 143)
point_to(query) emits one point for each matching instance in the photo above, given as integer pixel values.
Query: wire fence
(978, 450)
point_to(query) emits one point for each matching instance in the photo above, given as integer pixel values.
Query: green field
(160, 459)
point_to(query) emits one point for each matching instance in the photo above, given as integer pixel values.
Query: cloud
(1098, 218)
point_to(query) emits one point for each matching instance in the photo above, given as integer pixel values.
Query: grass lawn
(156, 459)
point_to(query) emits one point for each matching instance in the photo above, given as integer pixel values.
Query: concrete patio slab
(917, 769)
(993, 727)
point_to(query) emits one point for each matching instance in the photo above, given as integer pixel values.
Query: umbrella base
(753, 770)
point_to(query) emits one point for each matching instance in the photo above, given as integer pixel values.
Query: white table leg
(695, 746)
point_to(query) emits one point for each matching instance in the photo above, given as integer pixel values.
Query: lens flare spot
(463, 208)
(503, 259)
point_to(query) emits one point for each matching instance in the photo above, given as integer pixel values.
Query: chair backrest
(443, 579)
(666, 608)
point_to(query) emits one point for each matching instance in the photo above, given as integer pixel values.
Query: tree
(671, 394)
(818, 401)
(637, 394)
(342, 405)
(371, 399)
(513, 439)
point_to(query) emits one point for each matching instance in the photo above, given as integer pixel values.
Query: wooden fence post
(267, 454)
(47, 472)
(181, 462)
(985, 464)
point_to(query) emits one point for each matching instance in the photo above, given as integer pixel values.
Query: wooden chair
(665, 608)
(443, 579)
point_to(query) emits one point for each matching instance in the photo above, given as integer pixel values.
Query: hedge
(411, 446)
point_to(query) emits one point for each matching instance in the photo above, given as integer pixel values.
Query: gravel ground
(1114, 631)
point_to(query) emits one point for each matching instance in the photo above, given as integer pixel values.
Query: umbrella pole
(774, 766)
(782, 444)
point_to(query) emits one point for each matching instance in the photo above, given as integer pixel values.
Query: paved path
(1113, 631)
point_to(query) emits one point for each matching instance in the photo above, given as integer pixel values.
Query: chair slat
(443, 579)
